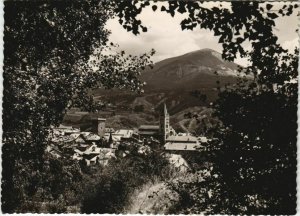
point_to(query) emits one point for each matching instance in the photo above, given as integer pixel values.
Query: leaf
(222, 38)
(144, 29)
(239, 40)
(261, 9)
(269, 6)
(154, 7)
(272, 15)
(181, 9)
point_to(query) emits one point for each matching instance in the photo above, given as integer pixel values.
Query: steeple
(165, 109)
(165, 124)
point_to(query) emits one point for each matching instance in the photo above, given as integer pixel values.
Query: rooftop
(148, 133)
(181, 146)
(61, 126)
(124, 131)
(182, 138)
(149, 127)
(98, 119)
(92, 137)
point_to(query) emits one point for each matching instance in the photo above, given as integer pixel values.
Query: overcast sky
(166, 37)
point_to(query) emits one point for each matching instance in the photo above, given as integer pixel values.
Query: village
(98, 144)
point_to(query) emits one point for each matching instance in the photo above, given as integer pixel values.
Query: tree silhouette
(256, 150)
(255, 153)
(54, 53)
(243, 21)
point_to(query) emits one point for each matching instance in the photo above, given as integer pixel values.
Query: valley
(188, 84)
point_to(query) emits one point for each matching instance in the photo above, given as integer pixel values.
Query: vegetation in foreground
(256, 146)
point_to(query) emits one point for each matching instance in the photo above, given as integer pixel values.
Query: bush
(110, 190)
(139, 108)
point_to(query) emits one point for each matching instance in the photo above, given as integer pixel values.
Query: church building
(175, 142)
(162, 131)
(165, 129)
(165, 124)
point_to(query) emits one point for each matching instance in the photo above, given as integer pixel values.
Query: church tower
(165, 124)
(98, 126)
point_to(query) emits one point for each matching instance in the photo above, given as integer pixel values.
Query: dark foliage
(109, 192)
(255, 151)
(244, 21)
(139, 108)
(47, 69)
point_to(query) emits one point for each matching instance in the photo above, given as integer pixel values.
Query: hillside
(173, 81)
(193, 70)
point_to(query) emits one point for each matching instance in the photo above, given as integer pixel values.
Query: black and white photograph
(149, 107)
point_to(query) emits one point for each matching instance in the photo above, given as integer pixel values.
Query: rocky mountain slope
(193, 70)
(179, 82)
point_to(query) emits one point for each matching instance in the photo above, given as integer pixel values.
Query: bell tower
(98, 126)
(165, 124)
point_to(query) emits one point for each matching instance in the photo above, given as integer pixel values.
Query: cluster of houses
(97, 146)
(172, 141)
(100, 144)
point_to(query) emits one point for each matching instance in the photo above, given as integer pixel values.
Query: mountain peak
(205, 51)
(202, 50)
(190, 70)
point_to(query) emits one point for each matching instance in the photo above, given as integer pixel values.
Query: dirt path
(155, 197)
(181, 124)
(152, 198)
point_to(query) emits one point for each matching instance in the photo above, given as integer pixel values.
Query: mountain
(178, 82)
(194, 70)
(175, 81)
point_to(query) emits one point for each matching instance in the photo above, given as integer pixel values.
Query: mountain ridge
(190, 71)
(180, 82)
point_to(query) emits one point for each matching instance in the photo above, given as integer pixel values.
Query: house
(77, 156)
(149, 130)
(61, 139)
(122, 134)
(91, 159)
(94, 155)
(92, 138)
(65, 130)
(125, 134)
(86, 137)
(53, 150)
(82, 147)
(119, 135)
(182, 143)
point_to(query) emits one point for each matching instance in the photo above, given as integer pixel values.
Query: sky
(165, 36)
